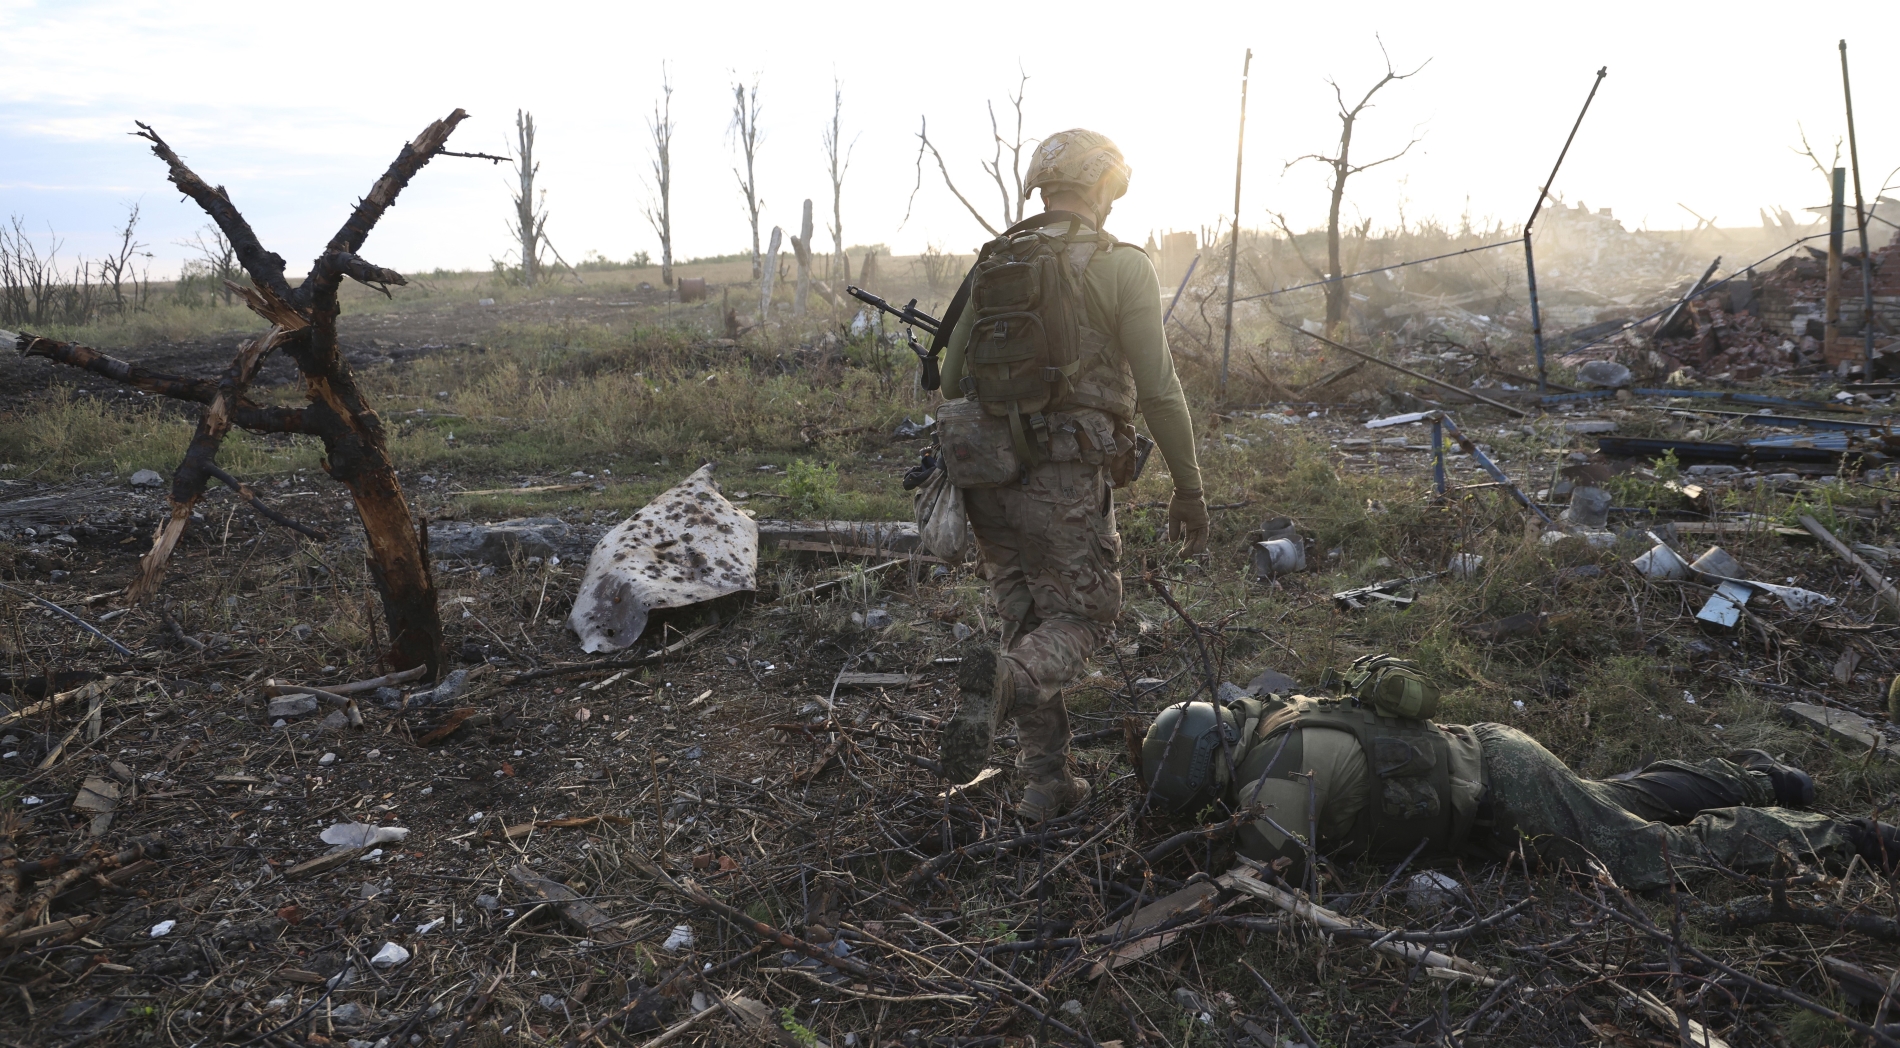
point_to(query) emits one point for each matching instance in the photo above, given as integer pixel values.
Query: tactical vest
(1031, 349)
(1408, 762)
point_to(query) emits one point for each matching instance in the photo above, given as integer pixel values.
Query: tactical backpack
(1395, 687)
(1029, 324)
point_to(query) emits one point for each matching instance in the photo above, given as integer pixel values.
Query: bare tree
(218, 259)
(660, 212)
(833, 136)
(745, 131)
(303, 323)
(531, 217)
(1806, 150)
(1342, 169)
(117, 268)
(1008, 185)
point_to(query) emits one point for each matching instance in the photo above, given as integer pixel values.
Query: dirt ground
(754, 847)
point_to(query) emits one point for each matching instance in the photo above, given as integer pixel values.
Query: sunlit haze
(296, 108)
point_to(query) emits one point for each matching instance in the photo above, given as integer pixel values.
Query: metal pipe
(1438, 452)
(1233, 249)
(1185, 277)
(1836, 221)
(1530, 263)
(1860, 216)
(1537, 318)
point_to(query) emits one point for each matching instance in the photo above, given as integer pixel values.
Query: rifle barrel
(910, 314)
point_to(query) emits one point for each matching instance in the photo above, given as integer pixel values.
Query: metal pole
(1233, 250)
(1860, 217)
(1836, 222)
(1530, 263)
(1185, 277)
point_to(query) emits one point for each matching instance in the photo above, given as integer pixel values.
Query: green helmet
(1185, 758)
(1077, 159)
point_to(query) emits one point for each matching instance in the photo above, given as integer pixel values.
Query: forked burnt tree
(303, 323)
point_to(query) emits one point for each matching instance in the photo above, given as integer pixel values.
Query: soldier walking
(1056, 343)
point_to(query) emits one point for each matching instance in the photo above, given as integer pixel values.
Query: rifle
(1358, 598)
(909, 315)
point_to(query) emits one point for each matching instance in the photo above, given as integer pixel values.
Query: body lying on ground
(1370, 785)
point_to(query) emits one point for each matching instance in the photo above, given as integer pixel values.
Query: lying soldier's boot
(987, 691)
(1052, 797)
(1794, 788)
(1877, 842)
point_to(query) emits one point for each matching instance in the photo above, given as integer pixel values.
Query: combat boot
(987, 689)
(1794, 788)
(1877, 842)
(1051, 797)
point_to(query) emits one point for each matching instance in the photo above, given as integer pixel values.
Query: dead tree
(1342, 169)
(117, 269)
(801, 249)
(659, 211)
(219, 259)
(1009, 186)
(840, 164)
(745, 131)
(531, 219)
(303, 323)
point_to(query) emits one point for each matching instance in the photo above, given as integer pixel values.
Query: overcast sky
(296, 108)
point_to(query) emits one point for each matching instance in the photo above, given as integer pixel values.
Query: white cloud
(297, 109)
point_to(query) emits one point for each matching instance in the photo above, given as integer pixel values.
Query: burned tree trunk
(303, 323)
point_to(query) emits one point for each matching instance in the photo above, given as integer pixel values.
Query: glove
(1187, 522)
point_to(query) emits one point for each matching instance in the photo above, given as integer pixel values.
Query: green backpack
(1028, 325)
(1393, 686)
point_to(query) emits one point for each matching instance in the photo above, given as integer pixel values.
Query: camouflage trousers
(1562, 818)
(1053, 560)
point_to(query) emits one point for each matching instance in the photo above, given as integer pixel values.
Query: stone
(445, 691)
(1604, 374)
(1587, 426)
(1431, 891)
(147, 478)
(291, 706)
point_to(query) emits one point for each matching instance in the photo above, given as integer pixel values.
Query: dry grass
(648, 393)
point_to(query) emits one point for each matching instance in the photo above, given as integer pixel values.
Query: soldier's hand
(1187, 521)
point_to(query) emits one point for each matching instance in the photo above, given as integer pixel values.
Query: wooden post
(768, 277)
(1831, 332)
(1875, 580)
(801, 246)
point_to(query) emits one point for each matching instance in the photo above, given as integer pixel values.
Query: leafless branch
(744, 130)
(659, 209)
(924, 143)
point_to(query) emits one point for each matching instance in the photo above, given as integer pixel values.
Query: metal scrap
(687, 546)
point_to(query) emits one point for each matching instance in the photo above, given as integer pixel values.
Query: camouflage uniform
(1691, 815)
(1053, 560)
(1564, 818)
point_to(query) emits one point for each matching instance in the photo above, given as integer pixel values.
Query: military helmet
(1185, 757)
(1077, 159)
